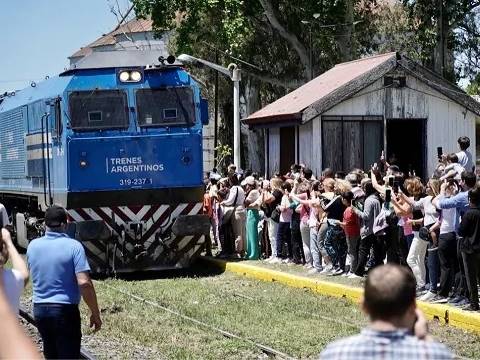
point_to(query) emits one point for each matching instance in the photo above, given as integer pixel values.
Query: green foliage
(224, 152)
(474, 87)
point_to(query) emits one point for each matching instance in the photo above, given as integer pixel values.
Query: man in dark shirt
(469, 230)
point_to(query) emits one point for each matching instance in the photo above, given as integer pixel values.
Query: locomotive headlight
(130, 76)
(124, 76)
(83, 163)
(135, 76)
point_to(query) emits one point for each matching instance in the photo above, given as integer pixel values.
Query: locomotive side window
(165, 106)
(98, 109)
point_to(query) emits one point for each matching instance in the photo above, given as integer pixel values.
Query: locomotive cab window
(165, 107)
(98, 109)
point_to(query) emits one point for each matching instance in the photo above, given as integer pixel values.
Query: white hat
(249, 180)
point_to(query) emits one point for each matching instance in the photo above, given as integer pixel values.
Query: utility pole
(233, 73)
(442, 40)
(215, 120)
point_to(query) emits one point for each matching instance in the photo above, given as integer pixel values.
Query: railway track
(271, 352)
(84, 353)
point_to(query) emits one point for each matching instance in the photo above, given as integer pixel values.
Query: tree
(447, 31)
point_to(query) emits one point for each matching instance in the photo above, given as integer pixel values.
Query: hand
(95, 322)
(410, 222)
(420, 328)
(6, 237)
(443, 186)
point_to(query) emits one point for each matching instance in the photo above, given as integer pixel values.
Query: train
(116, 139)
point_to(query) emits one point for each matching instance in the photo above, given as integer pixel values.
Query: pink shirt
(407, 228)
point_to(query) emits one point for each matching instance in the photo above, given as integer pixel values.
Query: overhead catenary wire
(264, 348)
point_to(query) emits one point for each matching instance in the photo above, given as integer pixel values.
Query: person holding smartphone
(397, 328)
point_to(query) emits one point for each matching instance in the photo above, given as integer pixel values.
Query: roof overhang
(274, 120)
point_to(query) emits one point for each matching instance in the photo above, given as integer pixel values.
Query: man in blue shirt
(460, 203)
(397, 329)
(60, 274)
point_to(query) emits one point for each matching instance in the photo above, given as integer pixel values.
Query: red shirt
(352, 223)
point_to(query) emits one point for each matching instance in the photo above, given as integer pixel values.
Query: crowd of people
(345, 224)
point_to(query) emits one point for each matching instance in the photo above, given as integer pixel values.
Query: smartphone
(439, 152)
(388, 195)
(396, 186)
(390, 181)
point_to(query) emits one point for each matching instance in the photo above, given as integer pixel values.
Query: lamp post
(306, 22)
(233, 73)
(310, 46)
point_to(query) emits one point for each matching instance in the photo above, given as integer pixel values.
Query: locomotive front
(134, 166)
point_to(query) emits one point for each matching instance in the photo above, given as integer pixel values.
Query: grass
(294, 321)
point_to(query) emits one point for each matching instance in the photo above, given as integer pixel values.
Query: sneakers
(464, 301)
(275, 260)
(337, 272)
(455, 299)
(308, 266)
(421, 291)
(354, 276)
(439, 300)
(313, 271)
(470, 307)
(327, 269)
(428, 296)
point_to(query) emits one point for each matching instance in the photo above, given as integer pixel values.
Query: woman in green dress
(252, 204)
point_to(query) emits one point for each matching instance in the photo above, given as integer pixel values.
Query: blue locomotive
(117, 141)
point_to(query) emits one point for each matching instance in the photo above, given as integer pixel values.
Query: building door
(287, 148)
(407, 145)
(350, 142)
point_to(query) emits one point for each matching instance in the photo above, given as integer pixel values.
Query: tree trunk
(443, 57)
(253, 142)
(272, 15)
(345, 41)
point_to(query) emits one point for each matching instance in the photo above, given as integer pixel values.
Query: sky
(38, 35)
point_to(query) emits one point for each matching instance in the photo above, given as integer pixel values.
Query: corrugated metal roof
(291, 105)
(130, 27)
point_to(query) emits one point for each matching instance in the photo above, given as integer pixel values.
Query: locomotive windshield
(165, 107)
(98, 109)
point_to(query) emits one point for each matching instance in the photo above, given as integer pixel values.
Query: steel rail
(84, 353)
(264, 348)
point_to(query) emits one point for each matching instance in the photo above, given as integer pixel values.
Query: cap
(249, 180)
(55, 216)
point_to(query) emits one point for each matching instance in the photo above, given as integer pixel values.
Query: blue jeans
(433, 269)
(284, 236)
(59, 327)
(315, 249)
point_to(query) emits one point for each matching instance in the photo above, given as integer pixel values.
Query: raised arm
(376, 185)
(18, 263)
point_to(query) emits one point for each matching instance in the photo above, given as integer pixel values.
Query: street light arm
(184, 58)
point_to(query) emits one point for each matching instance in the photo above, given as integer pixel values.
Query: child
(453, 170)
(351, 226)
(283, 231)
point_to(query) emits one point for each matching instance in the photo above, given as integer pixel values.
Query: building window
(351, 141)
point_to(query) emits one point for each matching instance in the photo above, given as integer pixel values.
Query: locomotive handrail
(43, 162)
